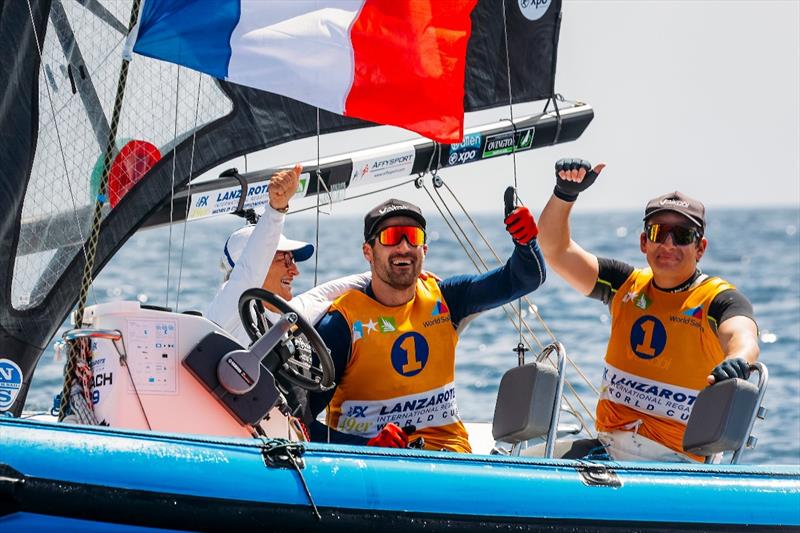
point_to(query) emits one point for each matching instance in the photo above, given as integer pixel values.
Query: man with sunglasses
(393, 343)
(674, 330)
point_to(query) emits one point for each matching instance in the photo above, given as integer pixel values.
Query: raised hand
(282, 186)
(574, 176)
(521, 225)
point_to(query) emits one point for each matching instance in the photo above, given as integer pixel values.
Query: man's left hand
(521, 225)
(729, 369)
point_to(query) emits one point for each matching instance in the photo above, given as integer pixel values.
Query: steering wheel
(287, 362)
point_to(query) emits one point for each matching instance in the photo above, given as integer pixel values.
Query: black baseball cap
(390, 208)
(679, 203)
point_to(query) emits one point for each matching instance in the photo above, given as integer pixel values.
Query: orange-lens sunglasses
(392, 235)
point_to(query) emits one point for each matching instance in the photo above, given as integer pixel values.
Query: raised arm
(578, 267)
(253, 264)
(524, 272)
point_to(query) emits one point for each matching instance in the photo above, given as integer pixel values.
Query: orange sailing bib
(401, 369)
(661, 350)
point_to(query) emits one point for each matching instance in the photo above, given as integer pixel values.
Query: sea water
(756, 250)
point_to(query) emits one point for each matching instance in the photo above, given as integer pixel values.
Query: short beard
(399, 281)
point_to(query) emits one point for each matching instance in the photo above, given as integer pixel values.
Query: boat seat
(525, 399)
(723, 416)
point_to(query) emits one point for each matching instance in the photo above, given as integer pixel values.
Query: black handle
(508, 197)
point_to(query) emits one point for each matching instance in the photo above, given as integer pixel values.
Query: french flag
(397, 62)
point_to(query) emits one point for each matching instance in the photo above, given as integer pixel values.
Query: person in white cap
(261, 256)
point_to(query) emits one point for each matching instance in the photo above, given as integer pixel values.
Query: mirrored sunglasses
(681, 235)
(392, 235)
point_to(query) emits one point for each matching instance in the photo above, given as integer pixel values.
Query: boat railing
(561, 359)
(760, 412)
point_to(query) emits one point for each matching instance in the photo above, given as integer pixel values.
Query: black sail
(58, 64)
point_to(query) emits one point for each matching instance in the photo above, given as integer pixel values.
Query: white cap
(235, 244)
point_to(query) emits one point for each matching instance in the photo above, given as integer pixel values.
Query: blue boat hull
(79, 478)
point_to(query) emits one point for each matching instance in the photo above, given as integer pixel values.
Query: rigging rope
(482, 266)
(86, 282)
(316, 243)
(520, 351)
(534, 308)
(189, 192)
(316, 233)
(172, 187)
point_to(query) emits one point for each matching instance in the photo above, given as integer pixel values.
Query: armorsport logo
(534, 9)
(357, 174)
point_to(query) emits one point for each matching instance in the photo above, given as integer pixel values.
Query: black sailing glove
(568, 190)
(731, 368)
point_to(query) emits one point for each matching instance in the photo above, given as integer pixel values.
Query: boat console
(141, 380)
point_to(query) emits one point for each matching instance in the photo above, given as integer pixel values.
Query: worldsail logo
(694, 312)
(439, 308)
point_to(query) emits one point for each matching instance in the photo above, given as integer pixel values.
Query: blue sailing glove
(567, 189)
(731, 368)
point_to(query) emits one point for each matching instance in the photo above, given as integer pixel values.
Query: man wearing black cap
(674, 330)
(393, 343)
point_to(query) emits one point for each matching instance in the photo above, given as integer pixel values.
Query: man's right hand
(574, 176)
(391, 436)
(282, 186)
(735, 367)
